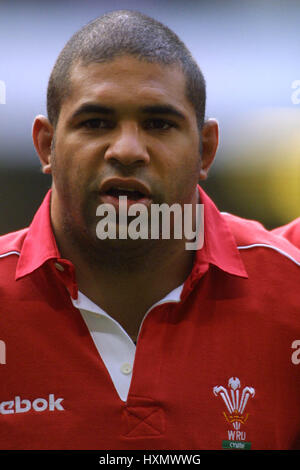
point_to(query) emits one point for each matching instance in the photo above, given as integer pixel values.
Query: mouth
(134, 190)
(131, 194)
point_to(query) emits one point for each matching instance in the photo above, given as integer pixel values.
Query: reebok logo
(39, 404)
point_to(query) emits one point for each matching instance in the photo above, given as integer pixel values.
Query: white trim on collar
(275, 248)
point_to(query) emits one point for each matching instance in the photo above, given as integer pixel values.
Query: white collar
(114, 345)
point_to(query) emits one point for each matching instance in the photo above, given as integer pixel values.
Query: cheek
(181, 181)
(70, 162)
(67, 179)
(187, 164)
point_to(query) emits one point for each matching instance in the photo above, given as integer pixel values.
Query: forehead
(129, 81)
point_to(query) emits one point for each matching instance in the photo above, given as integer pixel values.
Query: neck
(156, 267)
(127, 286)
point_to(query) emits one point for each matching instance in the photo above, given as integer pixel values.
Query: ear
(42, 136)
(209, 141)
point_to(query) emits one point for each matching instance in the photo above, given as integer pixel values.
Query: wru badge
(235, 401)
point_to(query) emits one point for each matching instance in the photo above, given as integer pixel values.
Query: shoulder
(290, 231)
(252, 236)
(10, 250)
(11, 243)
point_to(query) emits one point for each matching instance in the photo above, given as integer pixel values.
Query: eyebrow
(163, 109)
(89, 108)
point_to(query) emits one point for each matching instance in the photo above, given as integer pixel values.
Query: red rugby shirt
(290, 231)
(213, 370)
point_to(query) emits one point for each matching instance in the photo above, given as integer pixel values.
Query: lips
(135, 191)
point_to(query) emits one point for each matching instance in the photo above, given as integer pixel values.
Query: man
(290, 231)
(213, 327)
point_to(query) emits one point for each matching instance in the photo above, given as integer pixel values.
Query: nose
(127, 146)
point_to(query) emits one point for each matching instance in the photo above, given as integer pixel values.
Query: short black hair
(124, 32)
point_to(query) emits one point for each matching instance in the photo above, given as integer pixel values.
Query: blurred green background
(249, 54)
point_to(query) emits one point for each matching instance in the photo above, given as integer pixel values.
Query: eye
(97, 123)
(159, 124)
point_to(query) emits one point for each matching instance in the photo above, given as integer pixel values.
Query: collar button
(59, 267)
(126, 368)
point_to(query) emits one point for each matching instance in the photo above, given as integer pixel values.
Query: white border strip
(272, 248)
(10, 253)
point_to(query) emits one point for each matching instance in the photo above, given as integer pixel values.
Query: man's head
(124, 33)
(125, 121)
